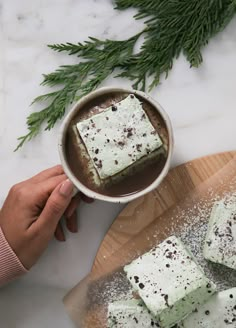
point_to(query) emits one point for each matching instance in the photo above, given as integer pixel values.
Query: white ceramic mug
(61, 145)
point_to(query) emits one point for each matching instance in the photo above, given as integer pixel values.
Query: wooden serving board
(145, 222)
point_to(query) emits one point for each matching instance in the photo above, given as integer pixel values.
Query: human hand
(70, 216)
(32, 211)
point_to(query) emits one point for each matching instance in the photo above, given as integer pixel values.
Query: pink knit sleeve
(10, 265)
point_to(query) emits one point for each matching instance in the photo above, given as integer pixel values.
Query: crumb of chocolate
(129, 134)
(166, 299)
(138, 147)
(99, 164)
(136, 279)
(141, 285)
(209, 242)
(135, 319)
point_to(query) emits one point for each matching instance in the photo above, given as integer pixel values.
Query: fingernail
(71, 210)
(72, 227)
(66, 188)
(72, 223)
(61, 238)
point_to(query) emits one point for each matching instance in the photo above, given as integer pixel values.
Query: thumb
(56, 205)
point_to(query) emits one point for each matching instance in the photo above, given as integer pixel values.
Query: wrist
(10, 265)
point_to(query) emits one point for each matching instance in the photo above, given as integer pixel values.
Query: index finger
(46, 174)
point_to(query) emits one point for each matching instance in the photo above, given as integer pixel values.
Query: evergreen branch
(175, 27)
(80, 48)
(45, 97)
(102, 58)
(172, 27)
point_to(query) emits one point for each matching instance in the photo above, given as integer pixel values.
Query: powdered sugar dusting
(115, 288)
(188, 220)
(193, 235)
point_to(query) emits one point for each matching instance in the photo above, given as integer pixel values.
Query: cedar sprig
(101, 59)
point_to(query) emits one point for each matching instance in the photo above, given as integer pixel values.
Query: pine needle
(172, 27)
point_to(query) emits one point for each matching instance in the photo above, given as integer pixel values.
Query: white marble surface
(201, 104)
